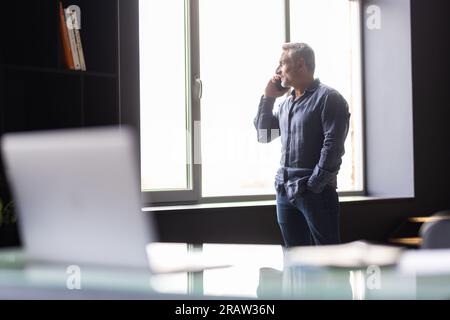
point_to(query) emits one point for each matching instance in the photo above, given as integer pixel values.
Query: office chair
(436, 232)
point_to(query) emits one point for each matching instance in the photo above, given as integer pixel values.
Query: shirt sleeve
(266, 121)
(335, 123)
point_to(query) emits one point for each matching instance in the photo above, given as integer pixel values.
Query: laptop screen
(77, 193)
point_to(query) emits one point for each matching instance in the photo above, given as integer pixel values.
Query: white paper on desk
(354, 254)
(435, 261)
(175, 258)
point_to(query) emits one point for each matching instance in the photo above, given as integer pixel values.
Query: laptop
(78, 198)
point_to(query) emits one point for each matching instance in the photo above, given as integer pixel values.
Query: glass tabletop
(222, 271)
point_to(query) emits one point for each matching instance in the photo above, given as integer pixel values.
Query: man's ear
(301, 65)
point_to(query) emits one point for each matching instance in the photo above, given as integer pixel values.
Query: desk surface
(256, 271)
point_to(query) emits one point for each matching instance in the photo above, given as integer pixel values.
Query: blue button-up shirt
(313, 130)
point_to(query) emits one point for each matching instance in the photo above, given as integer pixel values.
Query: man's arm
(266, 122)
(335, 123)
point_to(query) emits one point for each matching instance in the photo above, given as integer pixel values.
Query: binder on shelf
(72, 11)
(72, 41)
(68, 58)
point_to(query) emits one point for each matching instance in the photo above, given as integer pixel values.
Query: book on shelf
(68, 58)
(74, 12)
(73, 44)
(71, 38)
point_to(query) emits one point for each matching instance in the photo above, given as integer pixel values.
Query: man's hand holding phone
(274, 88)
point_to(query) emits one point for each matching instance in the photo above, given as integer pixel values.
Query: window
(335, 35)
(203, 67)
(237, 57)
(163, 95)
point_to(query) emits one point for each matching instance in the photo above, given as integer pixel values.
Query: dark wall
(373, 220)
(431, 96)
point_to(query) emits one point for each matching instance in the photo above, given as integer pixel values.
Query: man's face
(287, 70)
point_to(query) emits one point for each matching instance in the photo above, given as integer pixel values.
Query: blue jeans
(309, 218)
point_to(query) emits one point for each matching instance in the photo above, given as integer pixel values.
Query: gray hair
(301, 50)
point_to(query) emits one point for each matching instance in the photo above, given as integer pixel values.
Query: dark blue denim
(308, 218)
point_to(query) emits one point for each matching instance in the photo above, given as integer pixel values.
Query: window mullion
(195, 98)
(287, 21)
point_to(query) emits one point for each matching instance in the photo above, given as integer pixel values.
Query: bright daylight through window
(239, 48)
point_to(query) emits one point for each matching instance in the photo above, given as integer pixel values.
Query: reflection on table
(252, 272)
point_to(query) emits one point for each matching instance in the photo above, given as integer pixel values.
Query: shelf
(59, 71)
(413, 241)
(427, 219)
(41, 101)
(37, 91)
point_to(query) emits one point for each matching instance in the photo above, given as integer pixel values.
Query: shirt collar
(311, 89)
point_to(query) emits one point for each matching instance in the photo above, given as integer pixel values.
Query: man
(313, 123)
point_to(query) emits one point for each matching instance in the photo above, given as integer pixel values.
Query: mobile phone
(279, 85)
